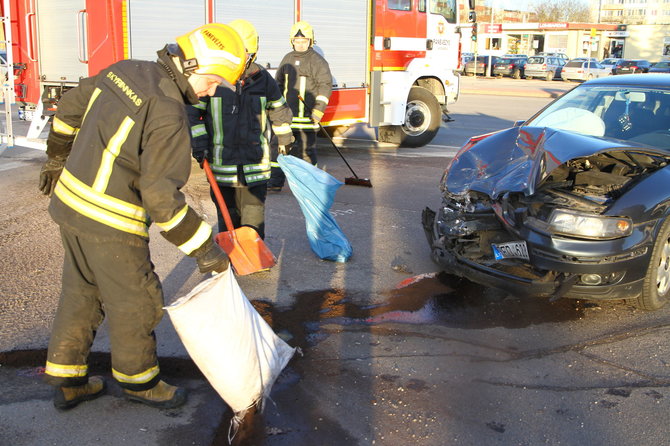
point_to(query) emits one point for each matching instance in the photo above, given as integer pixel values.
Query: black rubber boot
(68, 397)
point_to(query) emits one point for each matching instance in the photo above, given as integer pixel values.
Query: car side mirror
(519, 123)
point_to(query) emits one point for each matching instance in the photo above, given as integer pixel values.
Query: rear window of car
(628, 63)
(536, 60)
(662, 65)
(574, 63)
(506, 60)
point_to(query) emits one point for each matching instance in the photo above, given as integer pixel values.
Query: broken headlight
(578, 224)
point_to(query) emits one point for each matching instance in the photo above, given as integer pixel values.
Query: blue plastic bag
(315, 191)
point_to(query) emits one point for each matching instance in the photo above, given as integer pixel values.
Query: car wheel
(550, 76)
(422, 120)
(656, 286)
(516, 74)
(589, 77)
(529, 77)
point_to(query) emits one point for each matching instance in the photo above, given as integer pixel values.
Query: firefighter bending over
(118, 155)
(302, 73)
(230, 130)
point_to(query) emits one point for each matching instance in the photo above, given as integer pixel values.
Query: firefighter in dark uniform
(302, 73)
(118, 155)
(230, 130)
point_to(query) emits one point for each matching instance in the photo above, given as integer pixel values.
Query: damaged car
(574, 202)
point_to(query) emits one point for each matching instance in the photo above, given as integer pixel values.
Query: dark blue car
(573, 203)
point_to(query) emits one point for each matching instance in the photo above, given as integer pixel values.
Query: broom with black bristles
(356, 180)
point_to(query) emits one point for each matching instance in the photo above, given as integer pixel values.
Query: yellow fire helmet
(248, 34)
(213, 49)
(302, 29)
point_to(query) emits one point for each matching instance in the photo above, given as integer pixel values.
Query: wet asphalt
(394, 352)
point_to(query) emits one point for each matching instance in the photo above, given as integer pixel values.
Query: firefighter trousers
(113, 281)
(304, 147)
(246, 206)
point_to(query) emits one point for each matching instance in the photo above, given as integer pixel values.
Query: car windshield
(662, 65)
(536, 60)
(634, 114)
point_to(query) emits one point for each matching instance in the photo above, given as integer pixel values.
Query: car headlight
(577, 224)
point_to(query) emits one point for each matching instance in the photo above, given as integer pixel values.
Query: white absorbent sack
(236, 350)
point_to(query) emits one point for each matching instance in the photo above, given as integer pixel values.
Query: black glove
(49, 175)
(202, 155)
(211, 258)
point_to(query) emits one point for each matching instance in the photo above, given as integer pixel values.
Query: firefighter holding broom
(305, 79)
(118, 155)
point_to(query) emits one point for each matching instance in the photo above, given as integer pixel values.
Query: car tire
(656, 285)
(516, 74)
(423, 116)
(550, 76)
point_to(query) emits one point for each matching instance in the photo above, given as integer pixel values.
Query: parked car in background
(611, 63)
(580, 70)
(480, 65)
(545, 67)
(465, 58)
(633, 66)
(559, 55)
(660, 67)
(570, 203)
(510, 66)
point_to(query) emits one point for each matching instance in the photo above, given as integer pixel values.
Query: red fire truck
(392, 61)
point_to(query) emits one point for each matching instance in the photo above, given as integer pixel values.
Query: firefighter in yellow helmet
(230, 129)
(125, 168)
(302, 73)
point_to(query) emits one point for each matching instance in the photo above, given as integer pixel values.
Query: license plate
(510, 250)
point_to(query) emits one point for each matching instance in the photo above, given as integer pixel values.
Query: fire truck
(393, 61)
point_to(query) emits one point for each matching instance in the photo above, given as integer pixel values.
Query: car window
(662, 65)
(536, 60)
(574, 63)
(635, 114)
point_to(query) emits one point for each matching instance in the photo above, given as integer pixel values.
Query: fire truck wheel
(422, 119)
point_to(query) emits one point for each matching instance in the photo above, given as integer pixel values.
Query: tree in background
(562, 11)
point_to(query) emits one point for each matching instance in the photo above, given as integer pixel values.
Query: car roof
(638, 80)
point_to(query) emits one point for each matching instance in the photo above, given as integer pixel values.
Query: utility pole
(489, 69)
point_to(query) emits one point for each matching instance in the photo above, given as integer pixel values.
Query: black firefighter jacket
(306, 74)
(126, 138)
(232, 126)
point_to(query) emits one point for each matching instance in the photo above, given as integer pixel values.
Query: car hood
(519, 158)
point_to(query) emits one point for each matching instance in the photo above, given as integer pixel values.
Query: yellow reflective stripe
(201, 105)
(227, 168)
(198, 130)
(229, 179)
(174, 221)
(303, 119)
(100, 215)
(140, 378)
(322, 98)
(283, 129)
(285, 85)
(256, 167)
(61, 127)
(304, 126)
(66, 371)
(110, 153)
(94, 96)
(278, 103)
(203, 234)
(108, 202)
(257, 177)
(301, 90)
(275, 164)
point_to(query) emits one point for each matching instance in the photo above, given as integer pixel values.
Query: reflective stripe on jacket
(127, 142)
(306, 74)
(232, 125)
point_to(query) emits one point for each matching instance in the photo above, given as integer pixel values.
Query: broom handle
(217, 193)
(332, 142)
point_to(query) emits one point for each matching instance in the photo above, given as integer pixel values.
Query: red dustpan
(247, 252)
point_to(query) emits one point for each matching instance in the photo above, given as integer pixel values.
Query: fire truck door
(400, 33)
